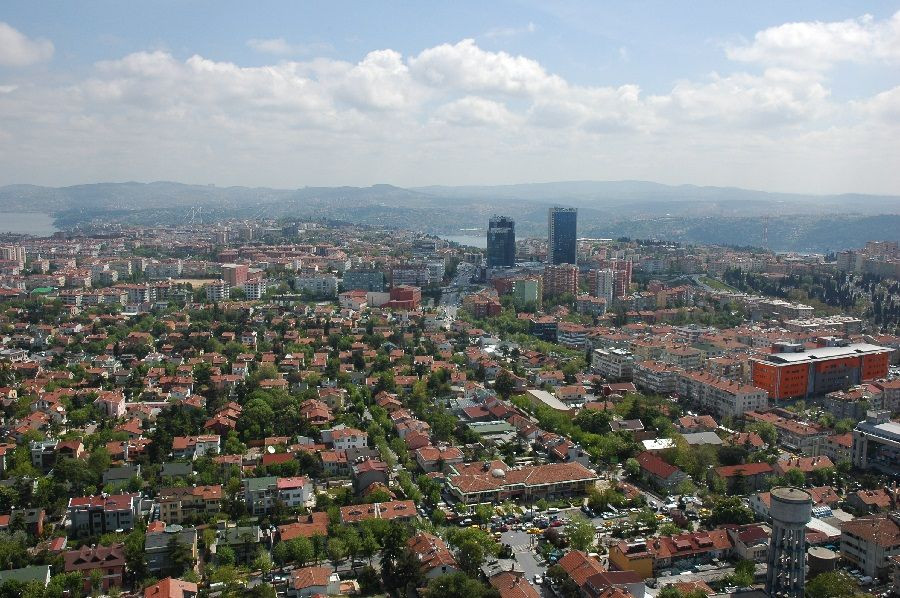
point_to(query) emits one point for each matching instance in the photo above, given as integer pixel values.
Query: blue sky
(797, 96)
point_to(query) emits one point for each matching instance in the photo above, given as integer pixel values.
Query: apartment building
(95, 515)
(870, 542)
(613, 364)
(194, 503)
(725, 398)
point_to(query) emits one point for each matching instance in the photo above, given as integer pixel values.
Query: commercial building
(876, 443)
(501, 242)
(649, 557)
(803, 373)
(494, 481)
(562, 226)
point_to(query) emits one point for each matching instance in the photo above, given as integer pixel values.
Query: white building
(318, 285)
(218, 291)
(613, 364)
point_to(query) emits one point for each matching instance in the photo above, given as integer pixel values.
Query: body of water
(469, 240)
(27, 223)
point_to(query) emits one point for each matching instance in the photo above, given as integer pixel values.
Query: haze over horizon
(801, 98)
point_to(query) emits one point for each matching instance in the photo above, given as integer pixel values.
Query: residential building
(191, 447)
(650, 556)
(158, 545)
(613, 364)
(401, 510)
(313, 581)
(189, 503)
(234, 275)
(561, 279)
(659, 473)
(744, 478)
(435, 558)
(317, 284)
(108, 560)
(870, 542)
(218, 291)
(363, 280)
(95, 515)
(725, 398)
(171, 588)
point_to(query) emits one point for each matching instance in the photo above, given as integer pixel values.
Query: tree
(632, 467)
(730, 509)
(181, 558)
(262, 562)
(504, 384)
(834, 584)
(455, 585)
(581, 532)
(766, 431)
(337, 551)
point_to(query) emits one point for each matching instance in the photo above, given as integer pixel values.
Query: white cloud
(475, 111)
(17, 49)
(499, 32)
(466, 67)
(279, 46)
(818, 45)
(404, 119)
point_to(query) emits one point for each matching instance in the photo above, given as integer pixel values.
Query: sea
(468, 240)
(27, 223)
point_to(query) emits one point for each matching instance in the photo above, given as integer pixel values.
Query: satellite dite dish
(270, 449)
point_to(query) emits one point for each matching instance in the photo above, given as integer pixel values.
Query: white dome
(498, 473)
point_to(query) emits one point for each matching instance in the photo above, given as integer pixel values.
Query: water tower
(791, 510)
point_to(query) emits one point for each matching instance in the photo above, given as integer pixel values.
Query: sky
(800, 96)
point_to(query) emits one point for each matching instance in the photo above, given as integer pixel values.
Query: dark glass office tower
(561, 235)
(501, 242)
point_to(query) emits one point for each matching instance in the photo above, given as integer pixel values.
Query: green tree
(632, 467)
(730, 509)
(581, 532)
(834, 584)
(455, 585)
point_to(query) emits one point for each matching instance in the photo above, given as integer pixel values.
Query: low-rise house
(438, 458)
(171, 588)
(751, 541)
(313, 581)
(160, 541)
(805, 464)
(108, 560)
(435, 558)
(316, 523)
(655, 471)
(745, 478)
(191, 447)
(649, 557)
(494, 481)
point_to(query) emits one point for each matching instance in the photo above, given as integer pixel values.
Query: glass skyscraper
(562, 224)
(501, 242)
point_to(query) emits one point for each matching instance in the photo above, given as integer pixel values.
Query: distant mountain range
(639, 209)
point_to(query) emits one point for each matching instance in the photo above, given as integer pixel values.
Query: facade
(562, 239)
(218, 291)
(234, 275)
(157, 550)
(613, 364)
(560, 279)
(317, 285)
(604, 284)
(815, 372)
(363, 280)
(433, 554)
(649, 557)
(501, 242)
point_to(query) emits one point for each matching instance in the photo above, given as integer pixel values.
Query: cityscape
(581, 389)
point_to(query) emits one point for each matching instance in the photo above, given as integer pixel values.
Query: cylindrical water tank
(821, 560)
(790, 506)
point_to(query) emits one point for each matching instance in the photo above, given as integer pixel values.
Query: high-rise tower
(562, 224)
(501, 242)
(791, 510)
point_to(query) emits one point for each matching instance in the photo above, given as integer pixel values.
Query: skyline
(804, 98)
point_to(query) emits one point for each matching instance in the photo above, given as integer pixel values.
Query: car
(535, 531)
(556, 523)
(538, 580)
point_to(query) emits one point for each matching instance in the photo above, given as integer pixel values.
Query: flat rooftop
(821, 353)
